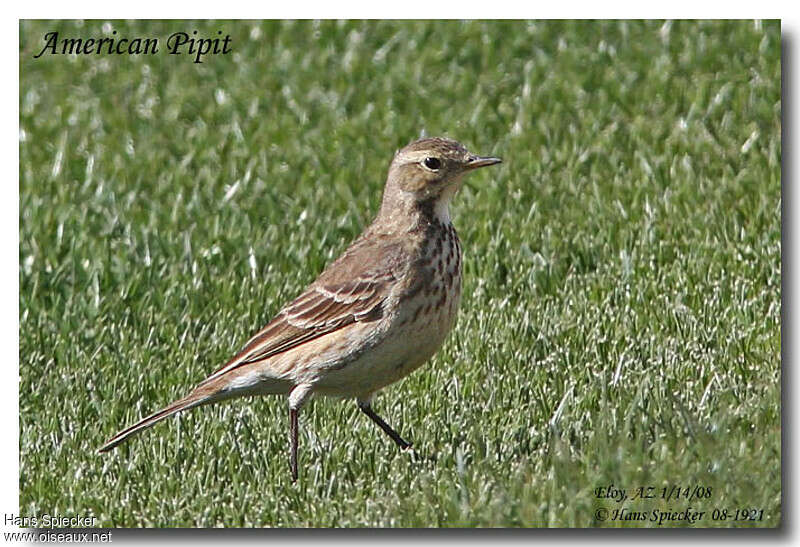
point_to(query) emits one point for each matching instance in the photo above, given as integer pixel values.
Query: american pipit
(373, 316)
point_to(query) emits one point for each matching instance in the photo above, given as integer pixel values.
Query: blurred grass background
(621, 313)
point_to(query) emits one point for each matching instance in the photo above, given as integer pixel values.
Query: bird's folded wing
(326, 306)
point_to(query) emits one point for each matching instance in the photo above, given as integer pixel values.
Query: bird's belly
(417, 331)
(414, 328)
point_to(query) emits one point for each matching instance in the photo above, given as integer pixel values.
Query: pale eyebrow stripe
(415, 156)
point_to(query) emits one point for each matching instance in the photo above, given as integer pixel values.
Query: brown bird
(373, 316)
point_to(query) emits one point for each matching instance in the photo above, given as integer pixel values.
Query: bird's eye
(433, 163)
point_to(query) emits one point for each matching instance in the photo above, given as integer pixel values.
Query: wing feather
(351, 289)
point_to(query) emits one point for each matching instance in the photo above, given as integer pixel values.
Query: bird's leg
(293, 442)
(367, 409)
(297, 397)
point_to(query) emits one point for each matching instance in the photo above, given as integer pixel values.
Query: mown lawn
(622, 295)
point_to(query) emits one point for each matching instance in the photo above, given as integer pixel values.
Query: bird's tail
(190, 401)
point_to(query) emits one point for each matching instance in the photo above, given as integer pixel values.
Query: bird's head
(428, 172)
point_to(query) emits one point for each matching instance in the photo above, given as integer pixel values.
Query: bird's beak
(473, 162)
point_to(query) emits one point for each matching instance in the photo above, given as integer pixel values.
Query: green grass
(621, 313)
